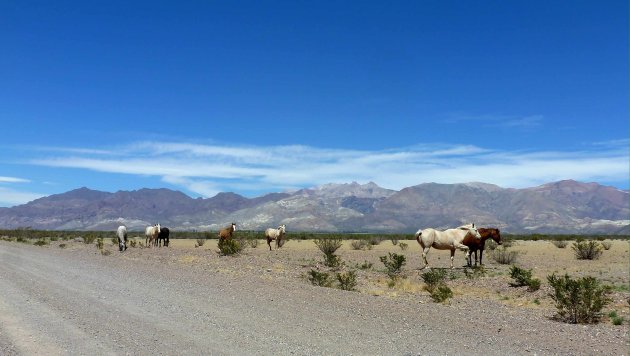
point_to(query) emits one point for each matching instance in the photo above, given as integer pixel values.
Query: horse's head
(282, 228)
(472, 230)
(496, 236)
(122, 245)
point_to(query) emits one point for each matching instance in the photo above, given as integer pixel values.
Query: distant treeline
(249, 234)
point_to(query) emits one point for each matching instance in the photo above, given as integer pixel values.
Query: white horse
(122, 238)
(151, 233)
(450, 239)
(275, 234)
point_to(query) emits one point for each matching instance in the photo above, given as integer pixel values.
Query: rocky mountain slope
(559, 207)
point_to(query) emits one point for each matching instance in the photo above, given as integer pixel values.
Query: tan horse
(275, 234)
(151, 233)
(450, 239)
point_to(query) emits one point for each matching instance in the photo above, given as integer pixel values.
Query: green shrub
(99, 243)
(521, 277)
(40, 242)
(606, 245)
(375, 240)
(475, 272)
(21, 239)
(504, 256)
(106, 252)
(54, 239)
(491, 245)
(229, 247)
(560, 243)
(433, 279)
(62, 245)
(348, 280)
(524, 278)
(394, 241)
(328, 246)
(89, 238)
(200, 242)
(403, 246)
(320, 279)
(579, 300)
(441, 293)
(360, 245)
(587, 250)
(617, 320)
(394, 264)
(366, 265)
(133, 243)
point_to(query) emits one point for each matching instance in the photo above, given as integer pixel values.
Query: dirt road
(55, 301)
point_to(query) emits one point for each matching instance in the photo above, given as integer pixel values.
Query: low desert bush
(560, 243)
(375, 240)
(21, 239)
(587, 250)
(403, 246)
(99, 243)
(491, 245)
(523, 277)
(394, 241)
(434, 278)
(328, 247)
(106, 252)
(475, 272)
(321, 279)
(366, 265)
(133, 243)
(347, 280)
(606, 245)
(614, 318)
(89, 238)
(41, 242)
(441, 294)
(62, 245)
(579, 300)
(360, 245)
(394, 264)
(200, 242)
(229, 247)
(504, 255)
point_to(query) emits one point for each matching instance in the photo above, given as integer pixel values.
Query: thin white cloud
(505, 121)
(209, 169)
(13, 180)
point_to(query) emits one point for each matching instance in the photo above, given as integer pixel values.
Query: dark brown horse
(478, 245)
(226, 233)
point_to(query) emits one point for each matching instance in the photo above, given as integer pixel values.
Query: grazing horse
(275, 234)
(151, 233)
(226, 233)
(121, 233)
(478, 245)
(163, 237)
(450, 239)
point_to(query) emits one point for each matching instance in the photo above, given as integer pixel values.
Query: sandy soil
(485, 316)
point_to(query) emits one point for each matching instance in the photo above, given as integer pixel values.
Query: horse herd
(466, 237)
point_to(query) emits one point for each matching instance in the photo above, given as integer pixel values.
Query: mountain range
(567, 207)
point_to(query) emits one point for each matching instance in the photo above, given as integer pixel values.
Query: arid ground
(187, 299)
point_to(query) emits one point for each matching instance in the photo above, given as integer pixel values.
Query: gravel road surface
(56, 301)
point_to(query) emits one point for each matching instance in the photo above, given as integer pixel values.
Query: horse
(275, 234)
(163, 237)
(151, 233)
(226, 233)
(478, 245)
(121, 233)
(450, 239)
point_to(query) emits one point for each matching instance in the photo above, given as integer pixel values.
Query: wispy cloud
(208, 169)
(526, 122)
(13, 180)
(11, 197)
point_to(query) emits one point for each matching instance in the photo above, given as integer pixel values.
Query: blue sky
(265, 96)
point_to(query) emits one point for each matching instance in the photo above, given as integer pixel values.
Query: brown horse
(226, 233)
(478, 245)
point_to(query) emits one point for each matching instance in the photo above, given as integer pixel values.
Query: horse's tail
(418, 234)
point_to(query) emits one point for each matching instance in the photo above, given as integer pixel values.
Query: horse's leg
(461, 247)
(480, 257)
(425, 251)
(452, 257)
(269, 243)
